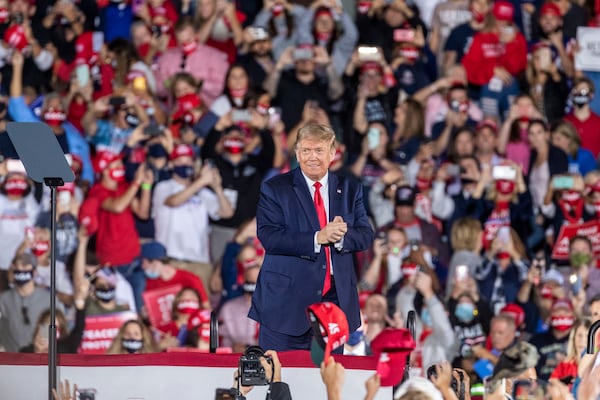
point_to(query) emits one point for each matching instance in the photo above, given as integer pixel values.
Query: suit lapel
(303, 193)
(335, 197)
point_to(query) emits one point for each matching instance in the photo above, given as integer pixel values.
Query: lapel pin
(339, 191)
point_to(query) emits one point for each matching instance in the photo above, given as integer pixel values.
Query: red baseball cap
(14, 36)
(329, 325)
(182, 150)
(503, 11)
(515, 311)
(66, 187)
(392, 347)
(103, 158)
(489, 123)
(371, 66)
(550, 9)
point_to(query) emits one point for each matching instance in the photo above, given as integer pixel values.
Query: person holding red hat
(552, 344)
(182, 206)
(117, 240)
(495, 59)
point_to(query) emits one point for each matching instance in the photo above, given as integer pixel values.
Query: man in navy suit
(309, 237)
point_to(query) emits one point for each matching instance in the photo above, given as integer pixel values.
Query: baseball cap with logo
(405, 196)
(392, 347)
(550, 9)
(182, 150)
(514, 311)
(330, 329)
(503, 11)
(103, 158)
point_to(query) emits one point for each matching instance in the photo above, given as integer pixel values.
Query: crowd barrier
(181, 376)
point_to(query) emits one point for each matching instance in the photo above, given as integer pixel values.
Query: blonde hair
(147, 347)
(567, 130)
(571, 350)
(465, 234)
(316, 131)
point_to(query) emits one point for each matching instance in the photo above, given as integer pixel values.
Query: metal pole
(52, 326)
(591, 344)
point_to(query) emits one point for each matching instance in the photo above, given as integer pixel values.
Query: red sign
(159, 303)
(589, 229)
(100, 330)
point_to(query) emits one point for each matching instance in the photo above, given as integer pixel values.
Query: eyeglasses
(25, 314)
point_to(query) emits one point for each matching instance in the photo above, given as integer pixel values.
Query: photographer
(278, 390)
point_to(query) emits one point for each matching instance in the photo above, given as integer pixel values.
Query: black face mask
(580, 99)
(132, 345)
(183, 171)
(156, 150)
(22, 277)
(249, 287)
(105, 295)
(467, 181)
(132, 120)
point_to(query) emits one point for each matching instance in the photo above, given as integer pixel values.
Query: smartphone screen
(82, 72)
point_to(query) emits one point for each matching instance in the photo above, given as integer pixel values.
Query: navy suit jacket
(292, 274)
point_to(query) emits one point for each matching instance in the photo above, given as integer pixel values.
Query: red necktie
(320, 207)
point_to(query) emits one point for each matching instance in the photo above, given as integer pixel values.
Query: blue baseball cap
(154, 251)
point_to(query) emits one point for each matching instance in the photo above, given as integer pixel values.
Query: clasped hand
(333, 232)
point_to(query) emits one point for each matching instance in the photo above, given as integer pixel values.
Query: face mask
(189, 47)
(323, 36)
(238, 93)
(132, 345)
(571, 196)
(580, 259)
(156, 150)
(22, 277)
(188, 306)
(277, 9)
(410, 53)
(54, 117)
(426, 317)
(465, 312)
(505, 187)
(143, 49)
(467, 181)
(117, 174)
(132, 120)
(15, 187)
(183, 171)
(105, 295)
(151, 274)
(4, 15)
(249, 287)
(423, 184)
(234, 145)
(477, 16)
(561, 324)
(580, 99)
(40, 248)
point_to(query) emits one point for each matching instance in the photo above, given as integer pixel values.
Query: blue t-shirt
(460, 40)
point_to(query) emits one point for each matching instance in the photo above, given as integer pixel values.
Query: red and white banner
(590, 229)
(100, 330)
(159, 304)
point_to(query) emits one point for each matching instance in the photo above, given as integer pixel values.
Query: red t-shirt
(182, 277)
(117, 241)
(588, 132)
(565, 369)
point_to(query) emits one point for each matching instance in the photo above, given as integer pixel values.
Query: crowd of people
(471, 128)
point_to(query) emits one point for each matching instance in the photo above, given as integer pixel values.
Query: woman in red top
(496, 58)
(566, 370)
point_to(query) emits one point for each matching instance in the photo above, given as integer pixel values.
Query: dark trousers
(270, 339)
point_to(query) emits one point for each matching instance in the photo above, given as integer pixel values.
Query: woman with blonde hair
(466, 238)
(565, 137)
(566, 370)
(133, 338)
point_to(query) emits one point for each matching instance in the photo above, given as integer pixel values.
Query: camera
(153, 130)
(156, 30)
(251, 370)
(456, 386)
